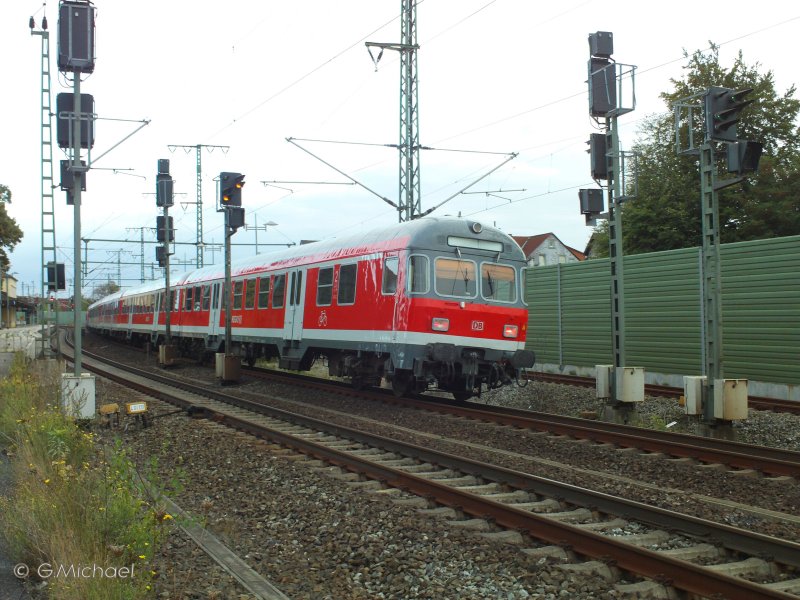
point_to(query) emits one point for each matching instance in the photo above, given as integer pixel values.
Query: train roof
(425, 233)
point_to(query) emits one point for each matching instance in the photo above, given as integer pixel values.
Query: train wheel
(402, 383)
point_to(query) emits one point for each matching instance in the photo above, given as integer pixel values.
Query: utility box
(730, 399)
(219, 364)
(232, 368)
(693, 394)
(78, 395)
(603, 380)
(166, 355)
(630, 384)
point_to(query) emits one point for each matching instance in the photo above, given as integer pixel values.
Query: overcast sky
(495, 76)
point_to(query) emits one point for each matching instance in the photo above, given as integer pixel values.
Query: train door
(295, 297)
(390, 290)
(216, 308)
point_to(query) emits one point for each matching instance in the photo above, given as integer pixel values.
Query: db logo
(477, 326)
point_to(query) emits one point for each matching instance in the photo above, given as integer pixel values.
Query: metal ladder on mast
(48, 204)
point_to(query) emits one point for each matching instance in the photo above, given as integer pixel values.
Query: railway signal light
(165, 187)
(164, 229)
(591, 204)
(599, 143)
(236, 217)
(76, 36)
(66, 116)
(56, 279)
(722, 108)
(743, 156)
(230, 187)
(161, 256)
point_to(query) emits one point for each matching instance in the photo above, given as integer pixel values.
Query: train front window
(498, 282)
(455, 277)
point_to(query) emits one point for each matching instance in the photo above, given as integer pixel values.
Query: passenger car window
(250, 294)
(347, 284)
(418, 276)
(263, 292)
(278, 290)
(325, 286)
(455, 277)
(238, 289)
(390, 275)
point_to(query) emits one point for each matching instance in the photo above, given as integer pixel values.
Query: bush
(77, 505)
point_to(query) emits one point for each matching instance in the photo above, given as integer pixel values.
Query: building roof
(530, 243)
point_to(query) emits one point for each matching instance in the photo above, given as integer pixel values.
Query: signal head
(230, 188)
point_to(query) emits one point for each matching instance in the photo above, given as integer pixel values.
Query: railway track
(755, 402)
(734, 455)
(552, 519)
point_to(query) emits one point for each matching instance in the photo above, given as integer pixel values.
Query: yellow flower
(166, 516)
(46, 481)
(142, 556)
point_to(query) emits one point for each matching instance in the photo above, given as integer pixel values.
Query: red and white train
(430, 302)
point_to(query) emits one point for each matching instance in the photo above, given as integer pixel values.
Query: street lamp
(256, 228)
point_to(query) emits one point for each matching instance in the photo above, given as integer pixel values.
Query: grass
(77, 507)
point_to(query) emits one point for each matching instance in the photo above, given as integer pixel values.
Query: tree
(666, 212)
(104, 289)
(10, 233)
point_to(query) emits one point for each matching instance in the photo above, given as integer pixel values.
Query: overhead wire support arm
(389, 202)
(387, 46)
(511, 157)
(143, 123)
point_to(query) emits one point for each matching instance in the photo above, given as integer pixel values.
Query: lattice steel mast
(409, 206)
(199, 202)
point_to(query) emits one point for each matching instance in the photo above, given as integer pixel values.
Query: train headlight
(510, 331)
(440, 324)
